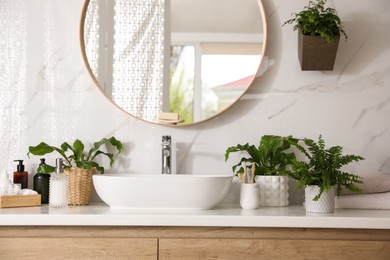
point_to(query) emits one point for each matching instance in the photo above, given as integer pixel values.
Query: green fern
(316, 20)
(323, 167)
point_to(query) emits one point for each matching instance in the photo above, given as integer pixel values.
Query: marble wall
(46, 93)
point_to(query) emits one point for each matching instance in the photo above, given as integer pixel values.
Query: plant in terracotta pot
(79, 164)
(322, 174)
(319, 31)
(272, 159)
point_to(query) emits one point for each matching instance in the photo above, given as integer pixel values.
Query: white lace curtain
(13, 34)
(137, 55)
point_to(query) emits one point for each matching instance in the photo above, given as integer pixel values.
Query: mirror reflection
(173, 61)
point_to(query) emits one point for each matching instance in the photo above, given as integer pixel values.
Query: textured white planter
(273, 190)
(325, 204)
(249, 196)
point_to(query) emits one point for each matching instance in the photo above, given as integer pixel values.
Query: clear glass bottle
(58, 194)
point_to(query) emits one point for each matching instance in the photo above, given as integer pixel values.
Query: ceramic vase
(249, 196)
(273, 191)
(325, 204)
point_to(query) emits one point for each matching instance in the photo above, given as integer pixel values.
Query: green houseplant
(80, 164)
(270, 156)
(78, 156)
(324, 170)
(319, 29)
(272, 160)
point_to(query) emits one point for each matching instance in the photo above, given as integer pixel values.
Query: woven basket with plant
(80, 165)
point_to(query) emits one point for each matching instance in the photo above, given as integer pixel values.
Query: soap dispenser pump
(58, 189)
(20, 176)
(41, 181)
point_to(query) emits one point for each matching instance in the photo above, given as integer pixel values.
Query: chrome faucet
(166, 154)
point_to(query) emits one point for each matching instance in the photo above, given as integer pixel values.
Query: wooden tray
(20, 201)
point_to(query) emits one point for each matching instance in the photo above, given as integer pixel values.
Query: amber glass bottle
(20, 176)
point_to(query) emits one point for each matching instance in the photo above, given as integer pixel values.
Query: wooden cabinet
(191, 243)
(78, 248)
(271, 249)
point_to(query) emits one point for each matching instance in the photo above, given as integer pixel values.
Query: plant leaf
(43, 148)
(78, 149)
(96, 146)
(45, 169)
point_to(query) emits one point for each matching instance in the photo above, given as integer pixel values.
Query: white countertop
(99, 214)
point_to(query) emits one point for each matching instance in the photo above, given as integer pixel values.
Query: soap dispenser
(42, 179)
(20, 176)
(58, 188)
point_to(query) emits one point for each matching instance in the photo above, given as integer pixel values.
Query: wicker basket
(79, 185)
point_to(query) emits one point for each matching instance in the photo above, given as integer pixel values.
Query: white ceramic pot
(325, 204)
(249, 196)
(273, 191)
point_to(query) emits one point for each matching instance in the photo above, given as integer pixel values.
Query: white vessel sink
(161, 192)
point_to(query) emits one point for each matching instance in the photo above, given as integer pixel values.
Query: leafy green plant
(45, 168)
(78, 156)
(316, 20)
(324, 167)
(270, 157)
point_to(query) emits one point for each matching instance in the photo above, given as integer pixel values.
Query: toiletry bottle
(20, 176)
(41, 182)
(5, 182)
(58, 188)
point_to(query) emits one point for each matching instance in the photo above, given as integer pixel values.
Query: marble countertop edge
(99, 214)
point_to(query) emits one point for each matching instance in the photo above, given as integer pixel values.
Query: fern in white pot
(322, 174)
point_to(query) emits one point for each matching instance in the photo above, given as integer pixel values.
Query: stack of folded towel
(376, 194)
(167, 118)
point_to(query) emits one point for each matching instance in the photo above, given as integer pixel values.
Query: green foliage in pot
(324, 167)
(271, 157)
(316, 20)
(75, 155)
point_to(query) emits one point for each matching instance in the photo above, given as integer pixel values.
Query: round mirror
(175, 62)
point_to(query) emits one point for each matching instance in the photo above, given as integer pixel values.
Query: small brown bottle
(20, 176)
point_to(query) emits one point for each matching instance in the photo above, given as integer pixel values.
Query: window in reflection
(208, 77)
(181, 96)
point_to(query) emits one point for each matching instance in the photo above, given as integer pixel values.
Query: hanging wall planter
(315, 53)
(319, 31)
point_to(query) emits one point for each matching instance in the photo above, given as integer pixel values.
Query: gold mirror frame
(85, 59)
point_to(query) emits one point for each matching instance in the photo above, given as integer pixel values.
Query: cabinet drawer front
(272, 249)
(78, 248)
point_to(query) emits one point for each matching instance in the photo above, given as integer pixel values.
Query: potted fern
(80, 164)
(319, 31)
(272, 160)
(322, 174)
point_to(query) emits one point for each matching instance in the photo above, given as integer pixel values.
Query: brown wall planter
(315, 53)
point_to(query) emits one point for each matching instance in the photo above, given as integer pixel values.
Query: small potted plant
(319, 31)
(80, 165)
(272, 160)
(322, 174)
